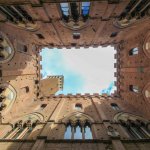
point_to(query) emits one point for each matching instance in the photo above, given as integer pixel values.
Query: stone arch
(78, 126)
(78, 116)
(25, 126)
(146, 92)
(126, 116)
(32, 116)
(146, 45)
(136, 127)
(7, 50)
(8, 96)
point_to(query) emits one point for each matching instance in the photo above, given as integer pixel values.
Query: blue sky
(84, 70)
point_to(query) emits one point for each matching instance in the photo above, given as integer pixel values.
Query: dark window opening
(115, 106)
(40, 36)
(27, 89)
(74, 11)
(73, 44)
(43, 105)
(25, 48)
(36, 81)
(134, 88)
(114, 34)
(133, 51)
(15, 14)
(76, 35)
(78, 106)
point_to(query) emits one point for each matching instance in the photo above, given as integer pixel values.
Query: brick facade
(32, 119)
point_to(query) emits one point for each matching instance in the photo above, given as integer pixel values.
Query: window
(40, 36)
(18, 15)
(114, 34)
(78, 131)
(43, 106)
(85, 10)
(133, 51)
(130, 13)
(6, 50)
(87, 131)
(20, 130)
(68, 132)
(25, 48)
(27, 89)
(65, 11)
(134, 88)
(78, 106)
(115, 106)
(135, 129)
(75, 10)
(76, 35)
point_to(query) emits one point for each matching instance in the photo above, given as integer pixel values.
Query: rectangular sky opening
(85, 70)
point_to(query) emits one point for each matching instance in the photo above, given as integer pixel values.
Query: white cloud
(95, 65)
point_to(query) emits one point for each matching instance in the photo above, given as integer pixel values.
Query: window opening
(78, 132)
(68, 132)
(76, 35)
(88, 132)
(133, 51)
(78, 106)
(40, 36)
(115, 106)
(114, 34)
(134, 88)
(43, 106)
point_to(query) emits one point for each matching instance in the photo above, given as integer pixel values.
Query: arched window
(133, 11)
(18, 16)
(134, 88)
(21, 130)
(68, 132)
(136, 129)
(87, 131)
(75, 14)
(78, 130)
(134, 51)
(115, 106)
(6, 49)
(7, 96)
(78, 106)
